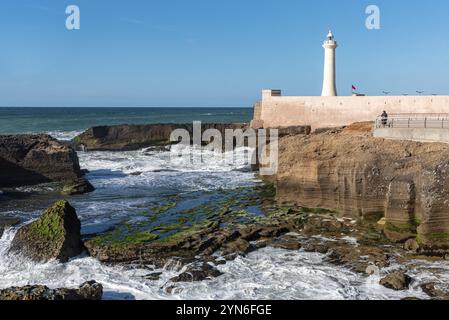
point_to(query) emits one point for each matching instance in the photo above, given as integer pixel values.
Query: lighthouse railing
(414, 120)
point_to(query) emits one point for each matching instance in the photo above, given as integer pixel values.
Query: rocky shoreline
(401, 183)
(364, 203)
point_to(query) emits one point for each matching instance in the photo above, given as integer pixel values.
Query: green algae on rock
(87, 291)
(55, 235)
(76, 187)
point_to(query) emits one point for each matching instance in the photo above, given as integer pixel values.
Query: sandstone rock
(396, 281)
(411, 245)
(79, 186)
(34, 159)
(400, 210)
(293, 130)
(87, 291)
(356, 174)
(381, 223)
(55, 235)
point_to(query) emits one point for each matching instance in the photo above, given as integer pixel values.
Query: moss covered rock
(87, 291)
(55, 235)
(79, 186)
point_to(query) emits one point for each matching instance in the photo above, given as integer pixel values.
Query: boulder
(396, 281)
(411, 245)
(87, 291)
(79, 186)
(34, 159)
(55, 235)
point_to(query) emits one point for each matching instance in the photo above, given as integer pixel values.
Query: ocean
(66, 123)
(129, 183)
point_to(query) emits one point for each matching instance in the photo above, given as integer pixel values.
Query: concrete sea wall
(276, 110)
(413, 134)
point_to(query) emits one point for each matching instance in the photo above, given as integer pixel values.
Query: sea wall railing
(414, 120)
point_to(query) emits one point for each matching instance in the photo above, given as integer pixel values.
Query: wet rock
(396, 281)
(87, 291)
(411, 245)
(316, 247)
(400, 209)
(198, 272)
(324, 225)
(153, 276)
(34, 159)
(76, 187)
(287, 243)
(239, 246)
(358, 258)
(55, 235)
(6, 222)
(433, 291)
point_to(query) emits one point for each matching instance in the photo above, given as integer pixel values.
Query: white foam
(266, 274)
(65, 135)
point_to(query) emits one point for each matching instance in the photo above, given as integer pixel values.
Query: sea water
(127, 183)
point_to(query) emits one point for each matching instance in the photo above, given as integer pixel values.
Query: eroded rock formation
(356, 174)
(133, 137)
(34, 159)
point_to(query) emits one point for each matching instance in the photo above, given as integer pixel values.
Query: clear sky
(214, 52)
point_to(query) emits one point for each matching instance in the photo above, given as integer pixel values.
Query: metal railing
(414, 120)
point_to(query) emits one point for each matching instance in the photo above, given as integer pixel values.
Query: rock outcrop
(79, 186)
(87, 291)
(134, 137)
(55, 235)
(34, 159)
(396, 281)
(350, 171)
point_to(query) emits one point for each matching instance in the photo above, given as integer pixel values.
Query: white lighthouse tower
(329, 80)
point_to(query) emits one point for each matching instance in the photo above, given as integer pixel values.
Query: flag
(353, 87)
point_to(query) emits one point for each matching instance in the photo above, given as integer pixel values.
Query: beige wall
(322, 112)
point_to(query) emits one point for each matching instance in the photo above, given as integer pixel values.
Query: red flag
(353, 87)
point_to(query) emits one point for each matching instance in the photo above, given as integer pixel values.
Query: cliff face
(33, 159)
(133, 137)
(350, 171)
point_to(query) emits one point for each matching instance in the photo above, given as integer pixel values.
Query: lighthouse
(329, 80)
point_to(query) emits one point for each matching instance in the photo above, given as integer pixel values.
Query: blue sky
(214, 53)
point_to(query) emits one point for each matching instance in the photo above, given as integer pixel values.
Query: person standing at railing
(384, 119)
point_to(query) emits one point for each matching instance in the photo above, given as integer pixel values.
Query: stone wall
(322, 112)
